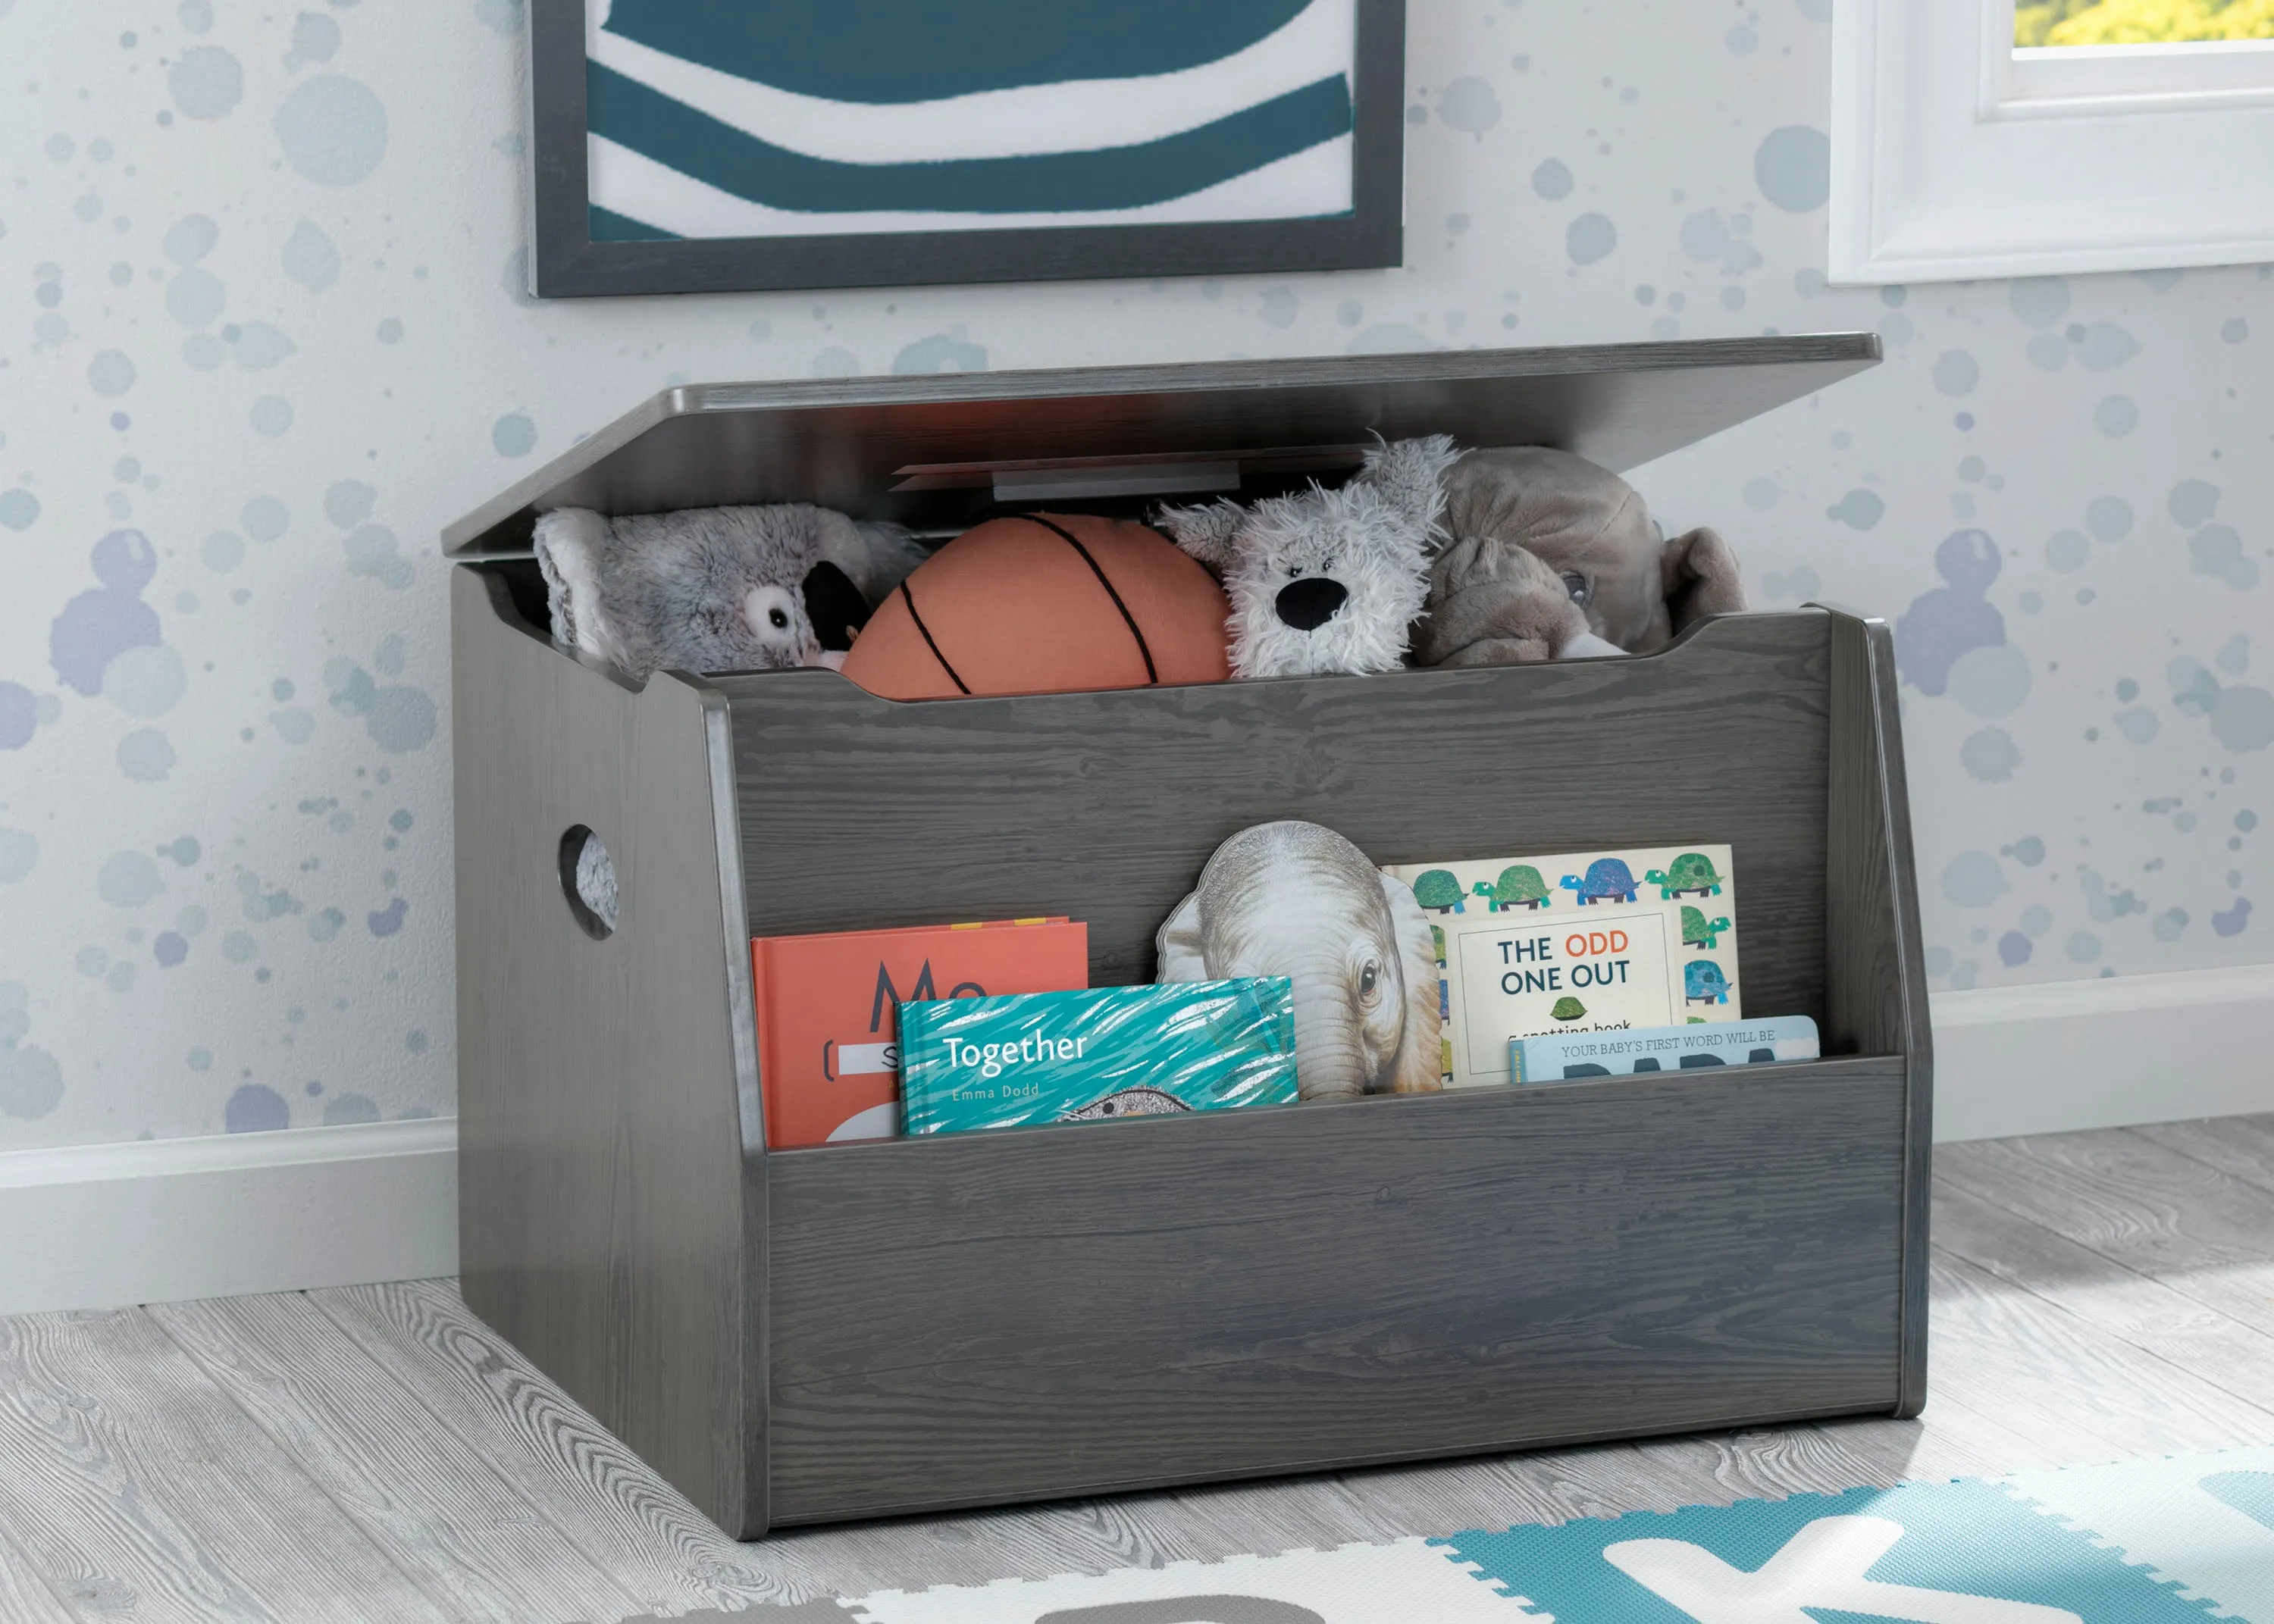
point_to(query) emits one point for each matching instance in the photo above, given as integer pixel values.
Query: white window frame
(1954, 155)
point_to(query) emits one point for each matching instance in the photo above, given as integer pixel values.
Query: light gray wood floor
(376, 1454)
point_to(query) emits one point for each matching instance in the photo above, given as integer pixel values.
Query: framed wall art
(711, 145)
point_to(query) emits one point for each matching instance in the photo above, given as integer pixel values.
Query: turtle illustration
(1520, 886)
(1699, 931)
(1608, 880)
(1568, 1009)
(1691, 871)
(1440, 892)
(1702, 983)
(1480, 889)
(1129, 1102)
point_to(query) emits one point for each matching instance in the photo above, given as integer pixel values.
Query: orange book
(828, 1012)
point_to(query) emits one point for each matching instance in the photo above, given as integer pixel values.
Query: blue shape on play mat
(1965, 1537)
(2249, 1493)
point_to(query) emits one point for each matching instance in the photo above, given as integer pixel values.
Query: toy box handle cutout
(588, 880)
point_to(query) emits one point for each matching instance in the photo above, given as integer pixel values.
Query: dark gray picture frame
(565, 263)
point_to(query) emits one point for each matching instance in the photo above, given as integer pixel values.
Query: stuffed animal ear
(1204, 533)
(1178, 944)
(570, 545)
(1421, 1047)
(1411, 476)
(1701, 577)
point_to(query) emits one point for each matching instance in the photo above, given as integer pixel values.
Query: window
(2138, 134)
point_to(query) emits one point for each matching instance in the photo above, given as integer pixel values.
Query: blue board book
(1565, 1056)
(1097, 1054)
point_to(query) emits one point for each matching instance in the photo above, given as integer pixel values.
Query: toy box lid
(935, 452)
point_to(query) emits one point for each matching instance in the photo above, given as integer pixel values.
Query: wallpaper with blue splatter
(263, 331)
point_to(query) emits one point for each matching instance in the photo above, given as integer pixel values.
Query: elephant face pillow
(1537, 533)
(1298, 900)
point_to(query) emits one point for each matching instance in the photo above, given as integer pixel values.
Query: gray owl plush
(716, 589)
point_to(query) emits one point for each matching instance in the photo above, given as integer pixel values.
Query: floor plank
(138, 1490)
(2173, 1218)
(2122, 1195)
(2174, 1326)
(2242, 1146)
(425, 1496)
(24, 1598)
(2083, 1394)
(643, 1533)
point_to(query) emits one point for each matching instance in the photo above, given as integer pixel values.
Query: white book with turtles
(1600, 940)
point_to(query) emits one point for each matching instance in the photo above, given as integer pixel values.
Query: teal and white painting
(717, 121)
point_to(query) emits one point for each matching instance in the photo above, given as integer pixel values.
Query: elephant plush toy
(1298, 900)
(1552, 556)
(716, 589)
(1324, 580)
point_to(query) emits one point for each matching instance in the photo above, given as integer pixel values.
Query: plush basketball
(1045, 603)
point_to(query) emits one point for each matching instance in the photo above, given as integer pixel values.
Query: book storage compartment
(960, 1319)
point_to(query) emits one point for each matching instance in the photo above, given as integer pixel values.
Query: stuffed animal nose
(1310, 603)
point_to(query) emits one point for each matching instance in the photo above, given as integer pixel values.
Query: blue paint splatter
(1859, 509)
(950, 352)
(1552, 180)
(20, 716)
(1589, 238)
(170, 948)
(388, 920)
(256, 1107)
(2230, 923)
(1951, 621)
(1792, 168)
(2014, 950)
(96, 627)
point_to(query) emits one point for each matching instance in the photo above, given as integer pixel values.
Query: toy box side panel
(602, 1214)
(859, 813)
(1010, 1315)
(1875, 966)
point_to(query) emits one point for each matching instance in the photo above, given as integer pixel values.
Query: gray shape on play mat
(1188, 1610)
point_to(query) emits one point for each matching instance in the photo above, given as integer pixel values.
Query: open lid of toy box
(936, 452)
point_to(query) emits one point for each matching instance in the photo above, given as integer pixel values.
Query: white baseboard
(2103, 1053)
(157, 1220)
(165, 1220)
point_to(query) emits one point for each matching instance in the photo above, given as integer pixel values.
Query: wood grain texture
(604, 1224)
(1875, 970)
(955, 1322)
(24, 1598)
(2174, 1218)
(1105, 806)
(427, 1499)
(2150, 1316)
(2240, 1147)
(842, 443)
(2047, 1369)
(138, 1488)
(631, 1522)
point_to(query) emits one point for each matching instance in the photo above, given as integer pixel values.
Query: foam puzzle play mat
(2187, 1537)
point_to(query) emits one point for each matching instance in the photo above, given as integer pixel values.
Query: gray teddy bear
(717, 589)
(1322, 579)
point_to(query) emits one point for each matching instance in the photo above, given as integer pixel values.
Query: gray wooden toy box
(915, 1324)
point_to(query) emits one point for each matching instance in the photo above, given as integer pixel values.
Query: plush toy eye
(778, 620)
(1577, 585)
(1368, 978)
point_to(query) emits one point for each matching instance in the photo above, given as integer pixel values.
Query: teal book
(1097, 1054)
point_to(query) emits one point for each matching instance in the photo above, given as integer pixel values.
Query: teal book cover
(1098, 1054)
